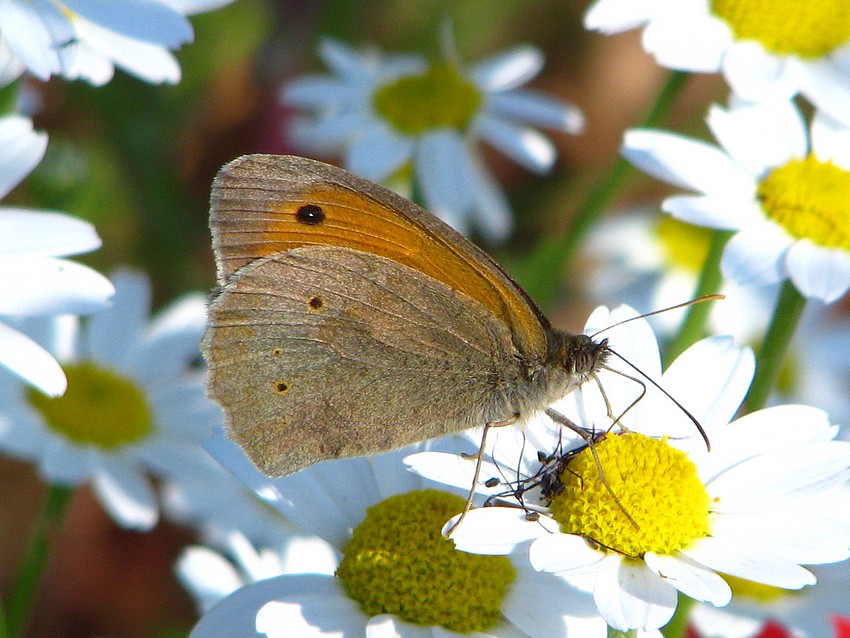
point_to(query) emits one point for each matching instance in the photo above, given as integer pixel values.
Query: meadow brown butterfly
(350, 321)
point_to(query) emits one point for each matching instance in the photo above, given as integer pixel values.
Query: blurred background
(137, 161)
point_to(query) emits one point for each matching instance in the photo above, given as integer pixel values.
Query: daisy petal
(710, 379)
(44, 233)
(614, 16)
(508, 70)
(714, 211)
(378, 153)
(46, 286)
(171, 343)
(758, 479)
(686, 163)
(537, 109)
(563, 552)
(449, 468)
(491, 209)
(754, 256)
(756, 75)
(341, 58)
(126, 494)
(237, 615)
(831, 140)
(817, 272)
(824, 83)
(312, 616)
(730, 557)
(110, 332)
(22, 150)
(558, 605)
(497, 530)
(629, 595)
(524, 145)
(692, 579)
(152, 22)
(760, 137)
(212, 576)
(321, 92)
(687, 44)
(803, 537)
(32, 34)
(30, 362)
(443, 172)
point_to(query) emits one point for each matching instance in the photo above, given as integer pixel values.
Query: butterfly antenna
(693, 419)
(714, 297)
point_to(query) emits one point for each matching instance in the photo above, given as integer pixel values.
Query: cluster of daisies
(565, 538)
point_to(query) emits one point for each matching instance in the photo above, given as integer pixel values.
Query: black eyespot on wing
(310, 214)
(316, 303)
(281, 387)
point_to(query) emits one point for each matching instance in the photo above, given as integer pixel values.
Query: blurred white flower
(390, 112)
(134, 405)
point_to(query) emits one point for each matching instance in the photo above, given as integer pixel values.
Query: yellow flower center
(805, 28)
(100, 408)
(438, 98)
(685, 245)
(656, 484)
(810, 199)
(397, 562)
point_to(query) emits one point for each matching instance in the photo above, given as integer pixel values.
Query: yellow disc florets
(438, 98)
(807, 29)
(398, 562)
(655, 483)
(100, 408)
(810, 199)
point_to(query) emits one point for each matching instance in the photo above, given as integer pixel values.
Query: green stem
(616, 633)
(551, 257)
(679, 623)
(786, 316)
(29, 574)
(710, 279)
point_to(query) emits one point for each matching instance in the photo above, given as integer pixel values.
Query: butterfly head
(578, 355)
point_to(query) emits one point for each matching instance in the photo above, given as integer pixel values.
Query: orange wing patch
(265, 204)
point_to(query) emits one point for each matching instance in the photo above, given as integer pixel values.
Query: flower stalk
(786, 316)
(30, 572)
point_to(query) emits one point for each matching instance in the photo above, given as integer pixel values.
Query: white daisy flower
(82, 39)
(36, 282)
(782, 188)
(390, 112)
(757, 506)
(766, 50)
(133, 406)
(392, 570)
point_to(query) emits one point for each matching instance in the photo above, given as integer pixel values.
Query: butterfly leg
(479, 459)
